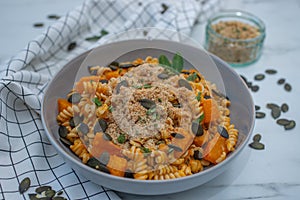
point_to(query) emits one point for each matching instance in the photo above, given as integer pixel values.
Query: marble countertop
(272, 173)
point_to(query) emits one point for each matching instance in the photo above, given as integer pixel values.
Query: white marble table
(269, 174)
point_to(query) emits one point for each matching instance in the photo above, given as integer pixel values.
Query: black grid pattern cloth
(24, 148)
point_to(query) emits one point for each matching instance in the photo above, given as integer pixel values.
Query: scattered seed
(256, 137)
(45, 198)
(72, 46)
(128, 174)
(104, 158)
(123, 83)
(65, 142)
(60, 192)
(257, 107)
(184, 83)
(281, 81)
(38, 25)
(62, 131)
(249, 84)
(58, 198)
(259, 115)
(198, 155)
(177, 135)
(254, 88)
(244, 79)
(223, 132)
(271, 71)
(93, 162)
(126, 65)
(24, 185)
(284, 107)
(74, 98)
(147, 103)
(197, 129)
(41, 189)
(272, 105)
(83, 128)
(259, 77)
(163, 76)
(50, 193)
(287, 87)
(107, 137)
(290, 126)
(53, 16)
(257, 145)
(176, 148)
(275, 112)
(32, 196)
(282, 121)
(164, 7)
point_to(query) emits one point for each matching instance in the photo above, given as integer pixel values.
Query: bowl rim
(241, 15)
(56, 142)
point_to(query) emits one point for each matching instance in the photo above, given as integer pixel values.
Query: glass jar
(226, 43)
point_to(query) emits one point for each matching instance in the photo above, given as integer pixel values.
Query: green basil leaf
(177, 63)
(163, 60)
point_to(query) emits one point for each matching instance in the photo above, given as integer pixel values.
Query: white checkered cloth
(24, 148)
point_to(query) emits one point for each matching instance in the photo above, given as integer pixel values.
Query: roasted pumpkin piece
(63, 104)
(211, 110)
(117, 165)
(79, 85)
(199, 141)
(112, 74)
(181, 144)
(100, 145)
(215, 148)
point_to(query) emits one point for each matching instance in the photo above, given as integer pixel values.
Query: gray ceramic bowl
(242, 111)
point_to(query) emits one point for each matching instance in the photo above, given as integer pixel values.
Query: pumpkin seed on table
(254, 88)
(32, 196)
(281, 81)
(290, 126)
(38, 24)
(71, 46)
(272, 105)
(257, 146)
(41, 189)
(271, 71)
(276, 112)
(287, 87)
(257, 107)
(50, 193)
(257, 137)
(282, 121)
(284, 107)
(259, 77)
(24, 185)
(259, 115)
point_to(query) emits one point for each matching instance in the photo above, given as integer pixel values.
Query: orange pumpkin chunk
(63, 104)
(117, 165)
(100, 145)
(211, 111)
(215, 148)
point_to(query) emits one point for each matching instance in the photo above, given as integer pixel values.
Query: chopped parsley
(97, 102)
(121, 139)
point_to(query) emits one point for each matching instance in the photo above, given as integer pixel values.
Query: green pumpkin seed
(45, 198)
(71, 46)
(257, 107)
(163, 76)
(24, 185)
(50, 193)
(60, 192)
(83, 128)
(259, 77)
(272, 105)
(259, 115)
(254, 88)
(275, 112)
(103, 124)
(65, 142)
(197, 129)
(223, 132)
(62, 131)
(41, 189)
(53, 16)
(271, 71)
(257, 145)
(198, 155)
(74, 98)
(126, 65)
(58, 198)
(107, 137)
(257, 138)
(93, 162)
(284, 107)
(290, 126)
(129, 174)
(184, 83)
(282, 122)
(147, 103)
(103, 81)
(104, 158)
(38, 24)
(287, 87)
(177, 135)
(176, 148)
(281, 81)
(123, 83)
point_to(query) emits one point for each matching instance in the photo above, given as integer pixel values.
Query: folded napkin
(24, 148)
